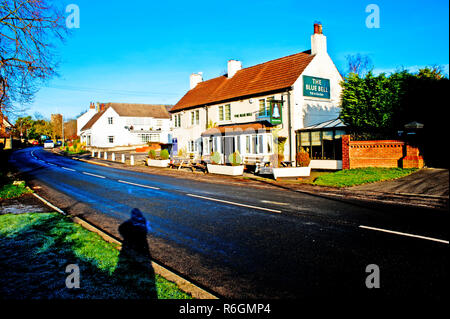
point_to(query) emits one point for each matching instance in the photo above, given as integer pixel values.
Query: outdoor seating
(179, 162)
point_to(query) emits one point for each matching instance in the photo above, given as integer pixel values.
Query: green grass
(358, 176)
(35, 249)
(13, 190)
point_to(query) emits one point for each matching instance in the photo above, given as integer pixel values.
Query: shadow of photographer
(134, 268)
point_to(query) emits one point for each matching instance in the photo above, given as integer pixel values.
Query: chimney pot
(317, 28)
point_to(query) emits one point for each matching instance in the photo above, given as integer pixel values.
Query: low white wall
(325, 164)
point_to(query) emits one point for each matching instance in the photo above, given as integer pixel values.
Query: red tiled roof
(269, 76)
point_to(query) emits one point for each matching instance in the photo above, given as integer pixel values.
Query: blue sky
(144, 51)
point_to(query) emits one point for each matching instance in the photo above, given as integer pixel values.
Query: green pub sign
(276, 107)
(316, 87)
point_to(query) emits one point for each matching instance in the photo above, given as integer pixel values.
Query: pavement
(428, 187)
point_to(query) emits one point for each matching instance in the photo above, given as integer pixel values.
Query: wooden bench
(187, 162)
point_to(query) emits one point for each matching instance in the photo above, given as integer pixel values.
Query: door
(230, 147)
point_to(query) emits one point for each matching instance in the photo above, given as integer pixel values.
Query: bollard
(106, 156)
(113, 157)
(132, 160)
(99, 154)
(93, 154)
(123, 158)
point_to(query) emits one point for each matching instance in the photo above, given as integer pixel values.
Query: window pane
(316, 145)
(269, 143)
(328, 145)
(262, 107)
(247, 144)
(197, 117)
(254, 144)
(221, 113)
(315, 138)
(227, 112)
(260, 144)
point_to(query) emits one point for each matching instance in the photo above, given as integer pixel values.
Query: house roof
(265, 77)
(140, 110)
(131, 110)
(334, 123)
(237, 129)
(92, 121)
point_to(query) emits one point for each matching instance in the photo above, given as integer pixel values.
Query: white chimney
(195, 79)
(233, 67)
(318, 40)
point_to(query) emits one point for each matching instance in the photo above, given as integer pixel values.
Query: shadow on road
(135, 258)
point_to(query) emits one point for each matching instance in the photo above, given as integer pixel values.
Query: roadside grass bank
(358, 176)
(36, 248)
(13, 189)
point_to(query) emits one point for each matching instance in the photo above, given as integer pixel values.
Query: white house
(122, 124)
(246, 108)
(85, 117)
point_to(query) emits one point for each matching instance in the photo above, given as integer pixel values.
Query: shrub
(164, 154)
(215, 158)
(152, 154)
(303, 159)
(235, 159)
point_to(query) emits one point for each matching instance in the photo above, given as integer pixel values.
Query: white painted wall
(83, 119)
(102, 130)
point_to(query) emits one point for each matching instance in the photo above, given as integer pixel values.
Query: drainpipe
(289, 124)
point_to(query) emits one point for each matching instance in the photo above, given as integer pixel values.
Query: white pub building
(246, 108)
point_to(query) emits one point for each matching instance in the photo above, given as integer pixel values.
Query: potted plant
(162, 161)
(302, 170)
(235, 167)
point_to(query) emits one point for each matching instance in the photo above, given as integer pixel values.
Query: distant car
(35, 142)
(49, 144)
(58, 143)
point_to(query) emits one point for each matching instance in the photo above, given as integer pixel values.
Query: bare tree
(28, 32)
(359, 64)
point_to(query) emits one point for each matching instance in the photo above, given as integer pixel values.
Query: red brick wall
(379, 153)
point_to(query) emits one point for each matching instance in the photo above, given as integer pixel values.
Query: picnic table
(187, 162)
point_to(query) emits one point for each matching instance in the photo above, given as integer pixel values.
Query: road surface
(256, 243)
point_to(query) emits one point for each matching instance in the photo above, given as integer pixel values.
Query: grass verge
(13, 190)
(35, 249)
(358, 176)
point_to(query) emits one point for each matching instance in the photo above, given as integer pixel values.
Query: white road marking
(50, 163)
(237, 204)
(140, 185)
(94, 175)
(69, 169)
(405, 234)
(275, 203)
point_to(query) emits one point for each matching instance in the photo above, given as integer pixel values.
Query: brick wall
(379, 153)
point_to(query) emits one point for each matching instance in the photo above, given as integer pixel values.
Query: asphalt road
(256, 243)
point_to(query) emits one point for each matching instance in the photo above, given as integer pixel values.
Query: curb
(181, 282)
